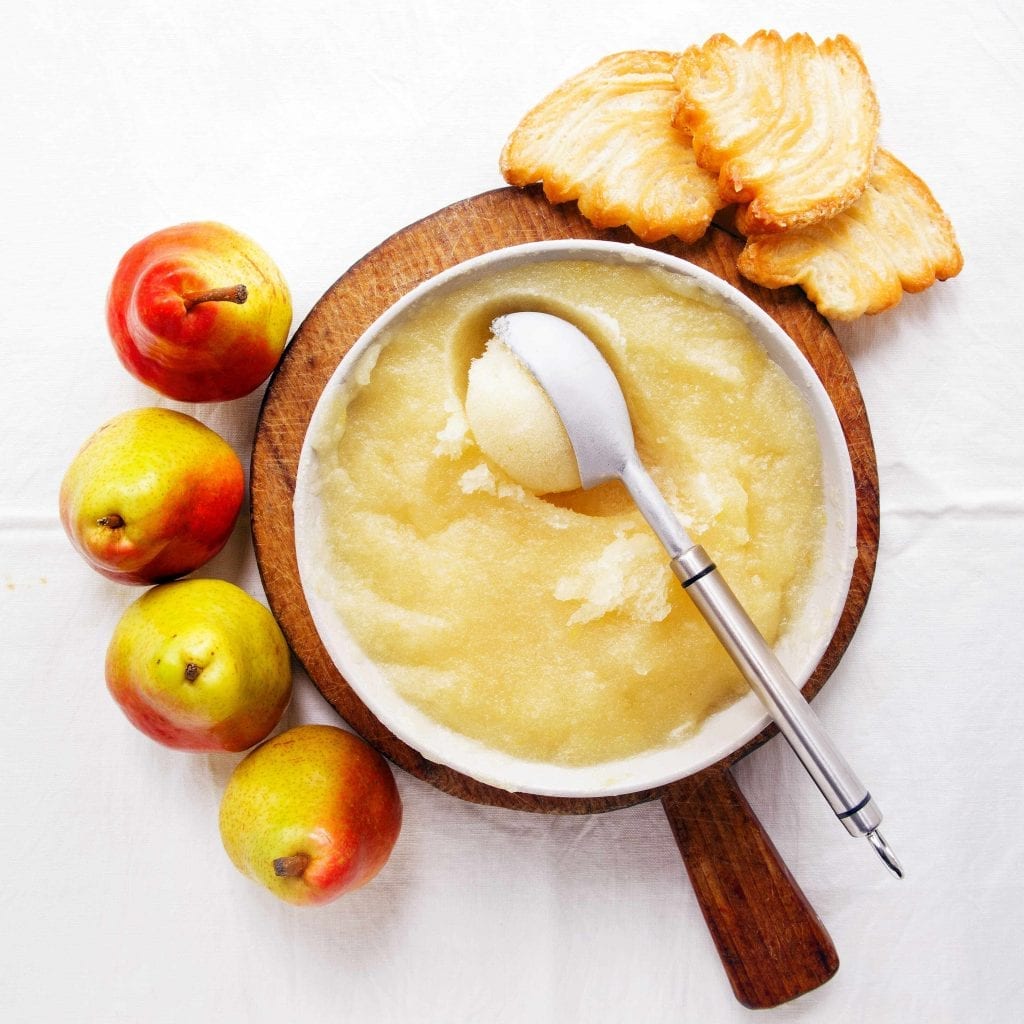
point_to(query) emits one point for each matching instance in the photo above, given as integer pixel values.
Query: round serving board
(771, 942)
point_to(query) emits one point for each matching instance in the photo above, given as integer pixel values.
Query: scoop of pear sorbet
(515, 424)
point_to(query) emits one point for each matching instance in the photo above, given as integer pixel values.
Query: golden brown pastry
(789, 127)
(606, 139)
(895, 238)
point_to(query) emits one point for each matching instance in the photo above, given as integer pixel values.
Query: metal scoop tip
(884, 850)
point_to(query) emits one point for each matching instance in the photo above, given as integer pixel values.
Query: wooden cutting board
(772, 944)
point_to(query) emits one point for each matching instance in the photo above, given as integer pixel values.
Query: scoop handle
(772, 944)
(846, 794)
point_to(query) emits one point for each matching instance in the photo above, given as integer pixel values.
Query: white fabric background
(320, 131)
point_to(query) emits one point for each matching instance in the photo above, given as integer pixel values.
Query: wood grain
(771, 942)
(456, 233)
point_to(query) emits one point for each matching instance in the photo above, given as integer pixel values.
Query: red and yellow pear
(311, 814)
(152, 495)
(200, 665)
(199, 312)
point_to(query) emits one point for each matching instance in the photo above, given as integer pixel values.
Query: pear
(200, 665)
(151, 495)
(199, 312)
(311, 814)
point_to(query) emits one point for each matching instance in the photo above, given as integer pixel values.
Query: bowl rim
(729, 729)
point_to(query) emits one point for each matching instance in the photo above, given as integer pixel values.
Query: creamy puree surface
(551, 628)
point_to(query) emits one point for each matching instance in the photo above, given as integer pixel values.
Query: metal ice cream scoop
(586, 395)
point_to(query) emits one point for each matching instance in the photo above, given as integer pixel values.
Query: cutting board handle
(772, 944)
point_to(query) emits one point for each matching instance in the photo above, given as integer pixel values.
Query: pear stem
(112, 521)
(236, 293)
(291, 867)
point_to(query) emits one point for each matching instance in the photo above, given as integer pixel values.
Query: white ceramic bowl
(800, 649)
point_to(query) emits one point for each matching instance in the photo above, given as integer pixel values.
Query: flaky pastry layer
(788, 126)
(606, 139)
(895, 238)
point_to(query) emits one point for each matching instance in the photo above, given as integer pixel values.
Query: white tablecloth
(319, 131)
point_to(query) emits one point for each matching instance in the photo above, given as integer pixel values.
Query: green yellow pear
(151, 495)
(200, 665)
(311, 814)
